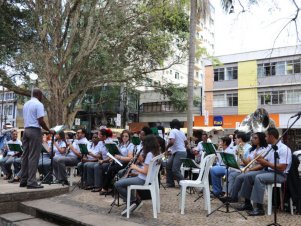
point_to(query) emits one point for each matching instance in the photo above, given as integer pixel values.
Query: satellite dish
(33, 76)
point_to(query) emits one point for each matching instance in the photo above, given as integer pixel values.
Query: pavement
(94, 209)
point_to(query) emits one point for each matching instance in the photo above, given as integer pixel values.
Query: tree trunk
(192, 31)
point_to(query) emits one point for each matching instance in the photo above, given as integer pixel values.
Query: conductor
(33, 114)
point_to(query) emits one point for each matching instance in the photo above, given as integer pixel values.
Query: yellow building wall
(247, 87)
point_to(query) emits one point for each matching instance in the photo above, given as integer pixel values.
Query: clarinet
(128, 169)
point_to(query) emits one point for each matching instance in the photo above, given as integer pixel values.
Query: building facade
(8, 108)
(269, 79)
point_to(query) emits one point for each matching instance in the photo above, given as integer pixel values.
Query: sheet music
(58, 128)
(116, 160)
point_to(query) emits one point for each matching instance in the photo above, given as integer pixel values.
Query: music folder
(135, 140)
(58, 128)
(209, 148)
(229, 160)
(83, 149)
(189, 163)
(15, 147)
(112, 148)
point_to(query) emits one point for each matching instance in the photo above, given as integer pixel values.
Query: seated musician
(150, 150)
(90, 160)
(199, 148)
(219, 170)
(71, 159)
(235, 179)
(94, 170)
(59, 150)
(254, 183)
(126, 154)
(11, 157)
(242, 149)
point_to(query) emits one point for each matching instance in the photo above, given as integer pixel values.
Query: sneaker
(133, 206)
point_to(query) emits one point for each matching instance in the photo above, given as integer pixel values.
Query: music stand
(84, 152)
(230, 161)
(50, 173)
(114, 201)
(56, 129)
(209, 148)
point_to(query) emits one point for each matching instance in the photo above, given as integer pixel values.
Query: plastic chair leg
(154, 202)
(183, 197)
(128, 203)
(270, 193)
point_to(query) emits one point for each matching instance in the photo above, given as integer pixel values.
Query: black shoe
(23, 184)
(34, 186)
(228, 199)
(245, 207)
(256, 212)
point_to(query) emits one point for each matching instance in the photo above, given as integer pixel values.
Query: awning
(208, 128)
(205, 128)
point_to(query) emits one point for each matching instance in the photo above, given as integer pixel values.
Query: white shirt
(125, 149)
(285, 156)
(147, 160)
(32, 111)
(61, 144)
(75, 145)
(104, 150)
(95, 149)
(11, 152)
(180, 138)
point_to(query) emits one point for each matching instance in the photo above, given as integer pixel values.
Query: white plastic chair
(298, 154)
(201, 182)
(151, 184)
(183, 168)
(270, 195)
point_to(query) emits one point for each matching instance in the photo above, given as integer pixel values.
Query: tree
(199, 9)
(76, 45)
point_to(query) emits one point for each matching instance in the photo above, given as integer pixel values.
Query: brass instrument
(262, 153)
(239, 152)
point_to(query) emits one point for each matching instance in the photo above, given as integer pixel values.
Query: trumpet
(262, 153)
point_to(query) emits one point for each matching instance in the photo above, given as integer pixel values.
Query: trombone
(263, 153)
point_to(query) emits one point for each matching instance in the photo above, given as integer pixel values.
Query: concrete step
(64, 214)
(22, 219)
(12, 194)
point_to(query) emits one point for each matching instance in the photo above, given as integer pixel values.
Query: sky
(257, 27)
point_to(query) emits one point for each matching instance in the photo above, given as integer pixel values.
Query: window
(294, 96)
(232, 100)
(197, 74)
(177, 75)
(293, 67)
(272, 97)
(231, 73)
(219, 100)
(219, 74)
(10, 110)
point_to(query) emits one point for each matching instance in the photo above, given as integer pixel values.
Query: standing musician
(255, 181)
(177, 143)
(33, 113)
(150, 150)
(126, 154)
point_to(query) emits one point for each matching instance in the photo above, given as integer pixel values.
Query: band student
(150, 150)
(255, 181)
(177, 144)
(33, 113)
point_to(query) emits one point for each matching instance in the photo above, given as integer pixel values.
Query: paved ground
(170, 213)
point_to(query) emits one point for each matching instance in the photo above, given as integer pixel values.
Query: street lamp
(33, 77)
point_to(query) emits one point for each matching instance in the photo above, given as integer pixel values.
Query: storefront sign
(218, 120)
